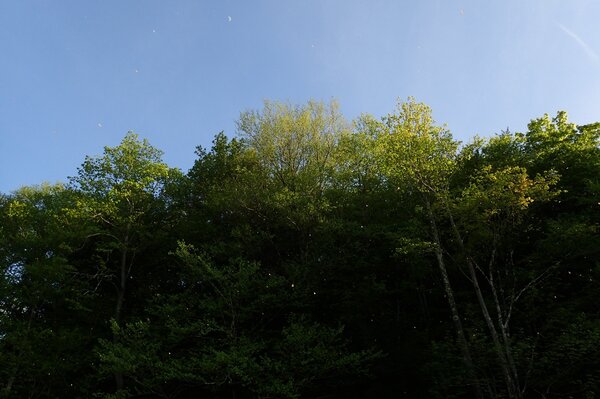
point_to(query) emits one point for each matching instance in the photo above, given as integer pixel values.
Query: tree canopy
(311, 257)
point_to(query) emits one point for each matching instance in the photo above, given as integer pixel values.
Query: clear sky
(76, 75)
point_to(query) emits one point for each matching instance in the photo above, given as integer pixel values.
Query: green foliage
(44, 308)
(133, 167)
(304, 259)
(221, 331)
(294, 143)
(414, 150)
(499, 199)
(572, 360)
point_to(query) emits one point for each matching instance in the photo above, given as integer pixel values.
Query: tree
(419, 155)
(120, 192)
(44, 308)
(295, 145)
(227, 328)
(492, 211)
(308, 258)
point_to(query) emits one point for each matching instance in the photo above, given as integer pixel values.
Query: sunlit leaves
(295, 143)
(506, 192)
(414, 150)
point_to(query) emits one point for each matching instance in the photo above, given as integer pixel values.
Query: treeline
(311, 257)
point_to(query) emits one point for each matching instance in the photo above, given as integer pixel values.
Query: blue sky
(76, 75)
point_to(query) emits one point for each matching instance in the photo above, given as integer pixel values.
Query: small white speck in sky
(462, 12)
(99, 124)
(153, 30)
(137, 70)
(229, 18)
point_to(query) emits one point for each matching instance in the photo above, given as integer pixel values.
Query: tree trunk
(504, 329)
(5, 393)
(122, 286)
(120, 300)
(8, 387)
(503, 356)
(460, 333)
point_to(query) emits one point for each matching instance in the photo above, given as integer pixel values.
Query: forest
(311, 256)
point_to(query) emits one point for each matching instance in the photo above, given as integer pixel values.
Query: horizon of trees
(311, 257)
